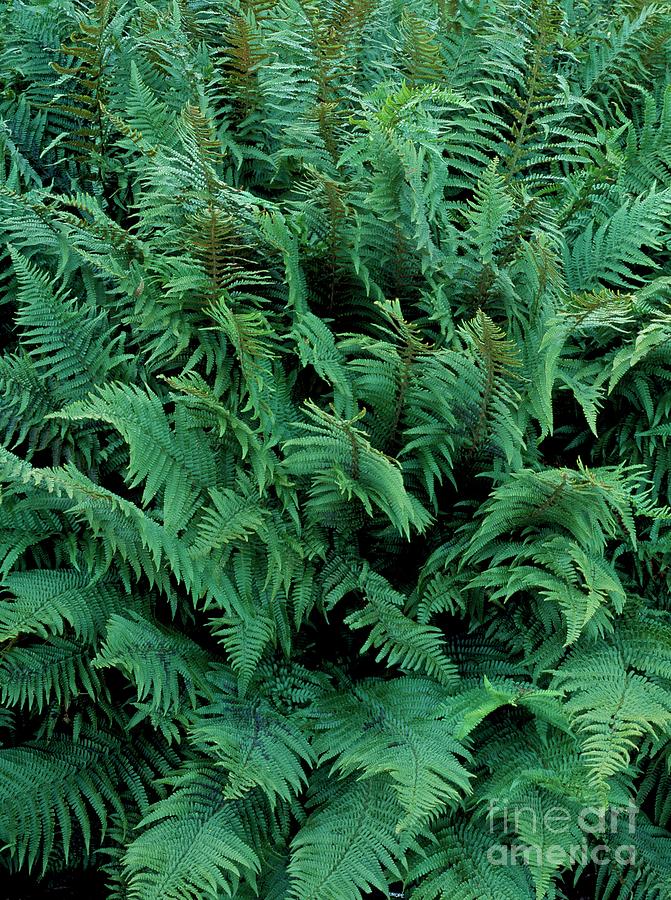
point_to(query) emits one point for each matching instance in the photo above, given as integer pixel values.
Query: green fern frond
(396, 728)
(348, 844)
(52, 790)
(192, 844)
(39, 674)
(165, 666)
(51, 601)
(257, 746)
(342, 463)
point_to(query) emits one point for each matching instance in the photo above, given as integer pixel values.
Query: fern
(62, 785)
(347, 844)
(397, 728)
(52, 601)
(193, 843)
(335, 471)
(163, 666)
(259, 748)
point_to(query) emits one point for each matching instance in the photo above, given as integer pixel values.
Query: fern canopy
(335, 449)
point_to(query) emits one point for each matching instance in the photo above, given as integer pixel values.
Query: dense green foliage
(335, 406)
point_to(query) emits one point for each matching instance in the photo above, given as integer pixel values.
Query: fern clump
(335, 458)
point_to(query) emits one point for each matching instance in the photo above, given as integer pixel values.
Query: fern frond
(192, 844)
(255, 745)
(348, 843)
(52, 790)
(51, 601)
(396, 728)
(165, 666)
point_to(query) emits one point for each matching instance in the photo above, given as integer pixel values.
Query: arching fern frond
(348, 843)
(193, 843)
